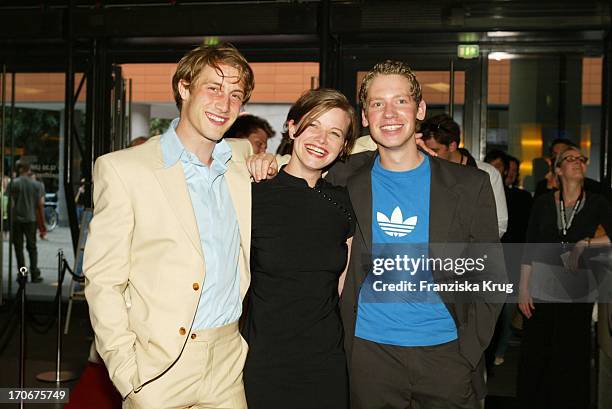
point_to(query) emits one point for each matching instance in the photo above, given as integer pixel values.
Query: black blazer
(462, 210)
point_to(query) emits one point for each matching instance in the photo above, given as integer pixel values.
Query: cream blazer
(144, 265)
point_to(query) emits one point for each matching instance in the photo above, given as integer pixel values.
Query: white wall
(141, 118)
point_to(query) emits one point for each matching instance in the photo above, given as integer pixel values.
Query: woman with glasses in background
(555, 348)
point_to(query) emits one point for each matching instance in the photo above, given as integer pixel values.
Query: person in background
(79, 200)
(555, 347)
(6, 225)
(257, 130)
(443, 135)
(549, 183)
(26, 197)
(518, 203)
(40, 212)
(499, 160)
(513, 176)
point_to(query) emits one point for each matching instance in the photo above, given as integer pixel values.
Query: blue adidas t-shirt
(389, 311)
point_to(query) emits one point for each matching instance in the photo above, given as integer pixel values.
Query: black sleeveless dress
(298, 251)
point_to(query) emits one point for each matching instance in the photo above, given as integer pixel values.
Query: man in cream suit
(167, 258)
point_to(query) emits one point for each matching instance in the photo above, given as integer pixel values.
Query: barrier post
(58, 375)
(23, 279)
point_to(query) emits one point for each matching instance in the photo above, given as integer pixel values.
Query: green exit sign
(211, 40)
(468, 50)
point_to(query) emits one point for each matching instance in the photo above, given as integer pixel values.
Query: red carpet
(94, 390)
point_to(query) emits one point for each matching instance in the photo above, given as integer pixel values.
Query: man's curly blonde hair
(390, 67)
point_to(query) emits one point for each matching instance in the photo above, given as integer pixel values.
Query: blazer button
(196, 286)
(182, 331)
(193, 336)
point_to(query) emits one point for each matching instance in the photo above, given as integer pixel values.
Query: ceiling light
(501, 55)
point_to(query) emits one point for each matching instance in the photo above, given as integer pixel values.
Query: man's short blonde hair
(390, 67)
(191, 65)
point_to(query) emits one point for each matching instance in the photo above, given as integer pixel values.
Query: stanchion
(22, 279)
(58, 375)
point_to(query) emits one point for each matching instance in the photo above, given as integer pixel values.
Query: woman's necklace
(566, 223)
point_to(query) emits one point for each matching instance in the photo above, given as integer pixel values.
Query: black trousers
(394, 377)
(555, 357)
(29, 231)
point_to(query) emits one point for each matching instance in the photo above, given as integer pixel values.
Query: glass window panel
(34, 134)
(534, 99)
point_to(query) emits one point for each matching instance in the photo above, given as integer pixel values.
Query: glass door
(120, 110)
(33, 132)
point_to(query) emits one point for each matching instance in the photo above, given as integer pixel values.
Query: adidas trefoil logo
(397, 226)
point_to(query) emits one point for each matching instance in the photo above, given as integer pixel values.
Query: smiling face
(390, 112)
(212, 104)
(321, 141)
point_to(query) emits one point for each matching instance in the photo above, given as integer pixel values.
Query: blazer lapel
(442, 203)
(172, 181)
(239, 186)
(360, 191)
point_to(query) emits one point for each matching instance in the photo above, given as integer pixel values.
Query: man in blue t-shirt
(411, 348)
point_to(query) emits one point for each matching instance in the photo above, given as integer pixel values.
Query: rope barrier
(75, 277)
(35, 323)
(42, 327)
(12, 319)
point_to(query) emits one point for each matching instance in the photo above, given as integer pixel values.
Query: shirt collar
(173, 150)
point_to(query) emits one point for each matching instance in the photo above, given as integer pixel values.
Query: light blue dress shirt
(218, 227)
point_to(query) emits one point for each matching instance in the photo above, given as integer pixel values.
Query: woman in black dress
(554, 364)
(300, 241)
